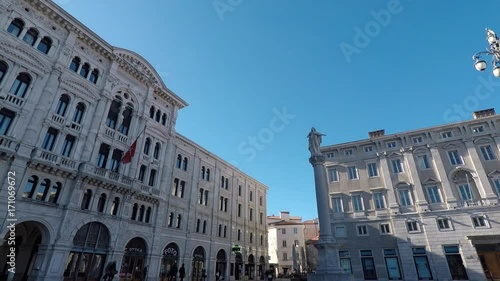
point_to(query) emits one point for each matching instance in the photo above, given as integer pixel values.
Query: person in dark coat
(182, 272)
(110, 271)
(173, 272)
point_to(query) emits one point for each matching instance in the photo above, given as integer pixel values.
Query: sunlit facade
(71, 106)
(419, 205)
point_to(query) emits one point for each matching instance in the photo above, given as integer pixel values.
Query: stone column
(93, 130)
(483, 184)
(451, 201)
(328, 259)
(385, 171)
(419, 190)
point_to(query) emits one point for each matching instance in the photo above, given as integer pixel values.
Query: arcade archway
(238, 266)
(250, 268)
(221, 265)
(86, 260)
(170, 256)
(261, 268)
(134, 260)
(198, 264)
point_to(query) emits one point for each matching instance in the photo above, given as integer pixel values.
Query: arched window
(115, 206)
(198, 223)
(30, 187)
(127, 118)
(43, 190)
(239, 234)
(3, 70)
(75, 64)
(134, 211)
(164, 119)
(158, 115)
(185, 164)
(222, 181)
(54, 192)
(44, 45)
(86, 199)
(85, 70)
(113, 112)
(156, 152)
(152, 112)
(62, 105)
(170, 219)
(142, 173)
(179, 220)
(227, 184)
(30, 36)
(204, 226)
(203, 172)
(141, 213)
(147, 145)
(21, 85)
(220, 230)
(77, 116)
(225, 231)
(101, 203)
(208, 174)
(15, 27)
(179, 161)
(94, 75)
(148, 215)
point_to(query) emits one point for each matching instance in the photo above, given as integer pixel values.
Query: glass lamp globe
(496, 71)
(480, 65)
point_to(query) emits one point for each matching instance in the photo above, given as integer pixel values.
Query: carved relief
(88, 51)
(78, 87)
(21, 53)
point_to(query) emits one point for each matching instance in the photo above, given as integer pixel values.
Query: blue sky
(268, 71)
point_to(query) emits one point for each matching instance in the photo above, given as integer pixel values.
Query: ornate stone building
(419, 205)
(71, 106)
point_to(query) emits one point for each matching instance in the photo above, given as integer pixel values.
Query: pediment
(483, 140)
(133, 62)
(21, 53)
(394, 154)
(430, 181)
(420, 150)
(450, 146)
(494, 173)
(75, 86)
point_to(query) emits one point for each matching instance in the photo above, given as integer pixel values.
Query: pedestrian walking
(110, 271)
(182, 272)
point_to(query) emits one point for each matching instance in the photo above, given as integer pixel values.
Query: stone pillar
(93, 130)
(385, 171)
(483, 184)
(450, 200)
(419, 190)
(328, 259)
(32, 132)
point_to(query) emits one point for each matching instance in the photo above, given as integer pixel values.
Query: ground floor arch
(221, 265)
(198, 269)
(26, 239)
(170, 257)
(86, 259)
(238, 266)
(250, 267)
(134, 260)
(261, 268)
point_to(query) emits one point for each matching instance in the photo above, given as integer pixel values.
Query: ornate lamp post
(493, 50)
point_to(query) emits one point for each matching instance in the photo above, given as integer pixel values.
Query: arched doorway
(27, 237)
(262, 266)
(238, 266)
(170, 256)
(198, 264)
(134, 260)
(86, 260)
(250, 268)
(220, 266)
(465, 190)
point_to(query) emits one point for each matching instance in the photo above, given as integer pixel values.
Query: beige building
(421, 204)
(71, 106)
(286, 243)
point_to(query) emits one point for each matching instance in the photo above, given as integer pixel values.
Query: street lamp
(493, 50)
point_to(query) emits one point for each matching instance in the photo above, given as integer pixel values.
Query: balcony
(8, 144)
(13, 100)
(476, 203)
(54, 159)
(105, 174)
(75, 126)
(115, 135)
(57, 118)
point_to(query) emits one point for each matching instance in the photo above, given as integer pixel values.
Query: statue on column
(315, 142)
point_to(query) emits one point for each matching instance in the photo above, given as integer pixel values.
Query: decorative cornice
(20, 52)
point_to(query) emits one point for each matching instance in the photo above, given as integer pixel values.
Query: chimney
(376, 134)
(483, 113)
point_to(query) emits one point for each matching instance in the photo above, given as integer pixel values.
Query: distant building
(286, 243)
(421, 204)
(71, 106)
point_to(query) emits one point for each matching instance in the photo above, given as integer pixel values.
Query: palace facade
(421, 204)
(71, 106)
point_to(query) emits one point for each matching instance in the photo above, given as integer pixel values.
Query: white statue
(314, 142)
